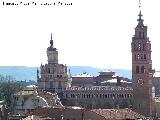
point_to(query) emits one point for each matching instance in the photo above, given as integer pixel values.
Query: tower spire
(140, 20)
(51, 36)
(51, 41)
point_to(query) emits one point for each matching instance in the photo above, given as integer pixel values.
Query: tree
(8, 87)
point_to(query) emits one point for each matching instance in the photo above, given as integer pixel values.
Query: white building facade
(30, 98)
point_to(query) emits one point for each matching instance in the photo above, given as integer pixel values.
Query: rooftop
(100, 88)
(118, 114)
(34, 117)
(157, 74)
(83, 75)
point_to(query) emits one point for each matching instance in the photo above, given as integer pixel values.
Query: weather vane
(139, 4)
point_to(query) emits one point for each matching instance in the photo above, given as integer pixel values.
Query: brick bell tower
(142, 73)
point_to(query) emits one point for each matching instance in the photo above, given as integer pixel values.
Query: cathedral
(57, 78)
(54, 76)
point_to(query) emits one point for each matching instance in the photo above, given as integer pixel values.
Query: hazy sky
(94, 33)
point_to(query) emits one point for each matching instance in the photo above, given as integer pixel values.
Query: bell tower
(52, 53)
(142, 73)
(53, 76)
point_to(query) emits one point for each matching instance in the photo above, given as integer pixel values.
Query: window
(117, 95)
(122, 95)
(111, 95)
(140, 81)
(128, 95)
(84, 95)
(143, 34)
(142, 69)
(138, 56)
(89, 95)
(144, 56)
(72, 96)
(92, 95)
(59, 76)
(137, 69)
(141, 56)
(97, 95)
(100, 95)
(48, 70)
(139, 46)
(108, 95)
(105, 96)
(125, 95)
(16, 98)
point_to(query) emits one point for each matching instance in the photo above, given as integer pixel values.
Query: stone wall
(98, 97)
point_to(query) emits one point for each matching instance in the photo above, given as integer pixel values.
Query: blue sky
(95, 33)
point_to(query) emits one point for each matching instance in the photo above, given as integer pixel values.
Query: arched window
(139, 46)
(97, 95)
(144, 56)
(138, 56)
(142, 69)
(105, 96)
(137, 69)
(122, 95)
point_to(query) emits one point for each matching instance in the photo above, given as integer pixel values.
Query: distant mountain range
(29, 73)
